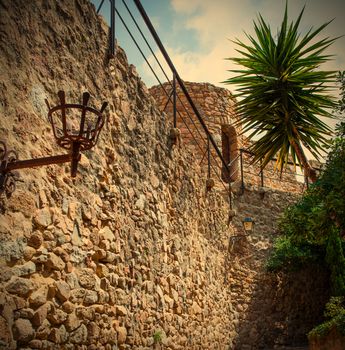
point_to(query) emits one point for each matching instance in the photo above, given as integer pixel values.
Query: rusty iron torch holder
(75, 140)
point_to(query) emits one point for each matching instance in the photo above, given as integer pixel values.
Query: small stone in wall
(23, 330)
(20, 286)
(140, 203)
(121, 335)
(58, 335)
(55, 262)
(106, 233)
(43, 218)
(62, 290)
(23, 202)
(87, 278)
(57, 317)
(79, 336)
(68, 307)
(6, 273)
(35, 240)
(85, 313)
(5, 335)
(41, 315)
(91, 297)
(39, 297)
(72, 322)
(195, 309)
(42, 332)
(121, 310)
(28, 253)
(35, 344)
(154, 181)
(73, 210)
(26, 269)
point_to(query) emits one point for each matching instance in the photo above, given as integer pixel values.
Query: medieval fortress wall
(133, 253)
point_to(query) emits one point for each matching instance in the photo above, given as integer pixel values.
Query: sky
(198, 34)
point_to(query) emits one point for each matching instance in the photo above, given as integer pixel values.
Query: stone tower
(216, 106)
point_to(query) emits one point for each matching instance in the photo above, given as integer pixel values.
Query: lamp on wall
(76, 127)
(248, 225)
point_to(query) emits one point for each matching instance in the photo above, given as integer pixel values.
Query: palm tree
(282, 95)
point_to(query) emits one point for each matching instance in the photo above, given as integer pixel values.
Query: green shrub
(288, 256)
(335, 312)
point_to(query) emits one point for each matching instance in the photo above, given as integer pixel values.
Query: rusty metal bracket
(7, 179)
(72, 131)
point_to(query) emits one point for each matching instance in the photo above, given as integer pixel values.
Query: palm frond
(281, 93)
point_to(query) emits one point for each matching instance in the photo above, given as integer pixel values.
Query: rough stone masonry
(133, 253)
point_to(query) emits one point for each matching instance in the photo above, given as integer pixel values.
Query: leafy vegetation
(282, 94)
(313, 230)
(157, 336)
(341, 102)
(335, 314)
(288, 256)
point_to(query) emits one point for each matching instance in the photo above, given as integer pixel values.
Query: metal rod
(174, 99)
(75, 155)
(208, 158)
(179, 80)
(100, 6)
(112, 28)
(241, 163)
(230, 197)
(140, 50)
(30, 163)
(168, 100)
(147, 43)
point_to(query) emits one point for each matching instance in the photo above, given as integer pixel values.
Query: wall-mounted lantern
(76, 127)
(248, 225)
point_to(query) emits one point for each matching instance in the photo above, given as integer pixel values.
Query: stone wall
(132, 246)
(133, 253)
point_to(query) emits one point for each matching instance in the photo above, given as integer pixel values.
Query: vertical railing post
(174, 100)
(230, 198)
(261, 173)
(112, 29)
(242, 177)
(208, 158)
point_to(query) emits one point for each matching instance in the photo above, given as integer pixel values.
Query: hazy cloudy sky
(198, 33)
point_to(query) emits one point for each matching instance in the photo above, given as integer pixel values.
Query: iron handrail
(178, 78)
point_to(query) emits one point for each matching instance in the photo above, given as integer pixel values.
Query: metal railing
(261, 175)
(204, 139)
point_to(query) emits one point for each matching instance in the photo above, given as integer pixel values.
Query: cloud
(187, 7)
(218, 20)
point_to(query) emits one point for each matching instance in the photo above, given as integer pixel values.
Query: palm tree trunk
(309, 172)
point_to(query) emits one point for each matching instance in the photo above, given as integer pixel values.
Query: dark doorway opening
(230, 153)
